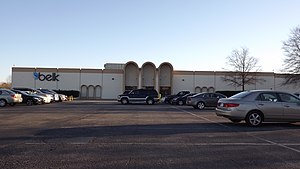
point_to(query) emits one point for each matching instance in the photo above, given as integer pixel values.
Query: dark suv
(150, 96)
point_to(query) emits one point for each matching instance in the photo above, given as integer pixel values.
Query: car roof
(267, 90)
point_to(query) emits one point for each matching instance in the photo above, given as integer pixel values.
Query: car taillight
(228, 105)
(13, 96)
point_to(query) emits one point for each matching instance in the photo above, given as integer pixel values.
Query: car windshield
(241, 95)
(198, 95)
(186, 95)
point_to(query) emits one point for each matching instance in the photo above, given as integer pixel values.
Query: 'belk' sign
(47, 77)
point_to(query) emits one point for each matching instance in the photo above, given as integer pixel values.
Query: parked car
(9, 97)
(53, 93)
(257, 106)
(149, 96)
(48, 98)
(203, 100)
(168, 99)
(181, 100)
(29, 99)
(62, 97)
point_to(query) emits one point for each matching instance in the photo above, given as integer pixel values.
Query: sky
(195, 35)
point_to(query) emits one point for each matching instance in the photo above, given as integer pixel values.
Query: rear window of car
(220, 96)
(153, 92)
(241, 95)
(5, 92)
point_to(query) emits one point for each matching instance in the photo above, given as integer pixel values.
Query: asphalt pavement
(105, 134)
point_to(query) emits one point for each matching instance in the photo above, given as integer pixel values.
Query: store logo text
(47, 77)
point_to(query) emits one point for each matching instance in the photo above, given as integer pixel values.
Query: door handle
(286, 106)
(261, 104)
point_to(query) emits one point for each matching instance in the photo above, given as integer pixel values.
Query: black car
(29, 99)
(203, 100)
(168, 99)
(149, 96)
(181, 100)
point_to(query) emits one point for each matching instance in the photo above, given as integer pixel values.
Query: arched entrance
(131, 79)
(211, 89)
(98, 92)
(165, 71)
(198, 89)
(204, 89)
(91, 92)
(148, 75)
(83, 91)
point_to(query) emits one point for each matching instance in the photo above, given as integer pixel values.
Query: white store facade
(114, 79)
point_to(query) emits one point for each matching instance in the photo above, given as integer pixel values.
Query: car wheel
(150, 101)
(235, 120)
(180, 102)
(2, 103)
(200, 105)
(254, 119)
(29, 102)
(12, 104)
(124, 101)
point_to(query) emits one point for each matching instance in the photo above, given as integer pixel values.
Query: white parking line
(262, 139)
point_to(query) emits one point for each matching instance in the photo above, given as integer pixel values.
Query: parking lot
(106, 134)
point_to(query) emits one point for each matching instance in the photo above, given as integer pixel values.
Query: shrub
(68, 93)
(228, 93)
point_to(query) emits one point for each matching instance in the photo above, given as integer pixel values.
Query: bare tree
(291, 49)
(8, 79)
(244, 68)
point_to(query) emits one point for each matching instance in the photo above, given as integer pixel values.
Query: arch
(91, 92)
(165, 74)
(198, 89)
(211, 89)
(148, 75)
(131, 79)
(165, 77)
(83, 91)
(204, 89)
(98, 92)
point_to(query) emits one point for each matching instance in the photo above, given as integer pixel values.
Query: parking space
(106, 134)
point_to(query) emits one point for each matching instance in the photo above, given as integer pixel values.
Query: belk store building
(114, 79)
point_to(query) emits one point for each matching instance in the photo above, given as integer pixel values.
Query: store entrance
(164, 91)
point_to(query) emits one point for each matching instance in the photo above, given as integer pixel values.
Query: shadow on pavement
(161, 129)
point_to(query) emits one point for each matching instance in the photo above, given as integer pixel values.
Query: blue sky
(190, 34)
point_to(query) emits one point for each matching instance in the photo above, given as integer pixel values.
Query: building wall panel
(112, 85)
(204, 81)
(69, 81)
(23, 79)
(91, 79)
(183, 82)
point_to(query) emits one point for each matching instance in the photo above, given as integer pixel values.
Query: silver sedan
(257, 106)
